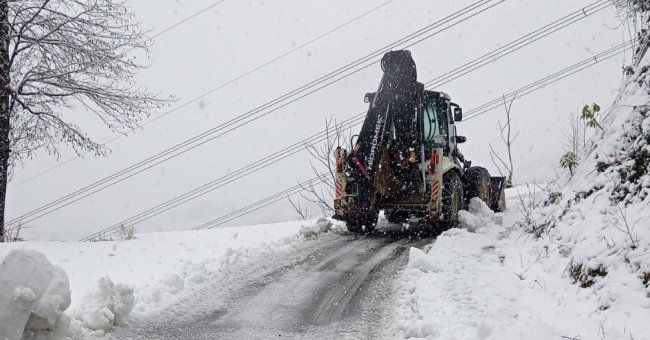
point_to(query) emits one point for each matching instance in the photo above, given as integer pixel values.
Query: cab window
(434, 124)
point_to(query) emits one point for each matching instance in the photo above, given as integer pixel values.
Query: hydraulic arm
(392, 110)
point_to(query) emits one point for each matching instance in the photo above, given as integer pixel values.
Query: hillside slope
(571, 259)
(599, 218)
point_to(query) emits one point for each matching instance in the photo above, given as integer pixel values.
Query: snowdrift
(33, 295)
(490, 281)
(82, 290)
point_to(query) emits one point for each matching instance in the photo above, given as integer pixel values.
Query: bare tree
(634, 10)
(60, 55)
(618, 219)
(301, 212)
(575, 134)
(12, 234)
(321, 191)
(636, 14)
(574, 141)
(508, 139)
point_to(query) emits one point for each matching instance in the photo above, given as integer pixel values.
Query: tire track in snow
(338, 284)
(335, 300)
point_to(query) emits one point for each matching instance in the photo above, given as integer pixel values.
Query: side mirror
(369, 97)
(458, 114)
(461, 139)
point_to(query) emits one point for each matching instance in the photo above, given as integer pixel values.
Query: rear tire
(362, 223)
(452, 198)
(477, 184)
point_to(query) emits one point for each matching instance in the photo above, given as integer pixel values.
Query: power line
(439, 81)
(219, 87)
(257, 205)
(555, 77)
(226, 179)
(107, 233)
(316, 138)
(481, 109)
(248, 117)
(233, 176)
(187, 19)
(520, 43)
(298, 188)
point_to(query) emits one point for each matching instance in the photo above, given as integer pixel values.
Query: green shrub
(569, 161)
(589, 115)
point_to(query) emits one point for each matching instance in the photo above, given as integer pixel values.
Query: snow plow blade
(498, 194)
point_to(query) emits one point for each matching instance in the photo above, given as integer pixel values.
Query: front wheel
(452, 198)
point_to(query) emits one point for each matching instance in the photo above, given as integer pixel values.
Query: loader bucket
(498, 193)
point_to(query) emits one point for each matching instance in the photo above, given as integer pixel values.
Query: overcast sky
(237, 36)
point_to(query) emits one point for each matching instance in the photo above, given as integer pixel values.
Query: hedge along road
(337, 285)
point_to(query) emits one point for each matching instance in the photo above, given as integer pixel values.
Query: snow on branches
(73, 54)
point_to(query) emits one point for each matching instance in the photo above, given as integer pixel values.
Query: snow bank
(108, 306)
(499, 282)
(33, 294)
(478, 216)
(445, 292)
(191, 259)
(321, 226)
(106, 282)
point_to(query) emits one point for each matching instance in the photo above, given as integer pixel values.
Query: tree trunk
(5, 114)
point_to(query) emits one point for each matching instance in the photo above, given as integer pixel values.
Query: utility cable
(246, 118)
(187, 19)
(555, 77)
(481, 109)
(219, 87)
(258, 205)
(520, 43)
(291, 150)
(296, 189)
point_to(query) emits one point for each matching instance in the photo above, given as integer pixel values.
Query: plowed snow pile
(487, 281)
(574, 266)
(34, 294)
(82, 290)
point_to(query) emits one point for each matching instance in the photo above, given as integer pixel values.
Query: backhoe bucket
(498, 194)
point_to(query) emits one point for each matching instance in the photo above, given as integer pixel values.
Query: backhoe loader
(405, 160)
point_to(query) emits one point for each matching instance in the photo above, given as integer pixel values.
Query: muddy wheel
(452, 198)
(396, 216)
(477, 184)
(362, 223)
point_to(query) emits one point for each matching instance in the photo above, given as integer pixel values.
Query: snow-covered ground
(488, 279)
(493, 280)
(110, 280)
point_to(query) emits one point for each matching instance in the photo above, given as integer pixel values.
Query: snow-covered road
(336, 286)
